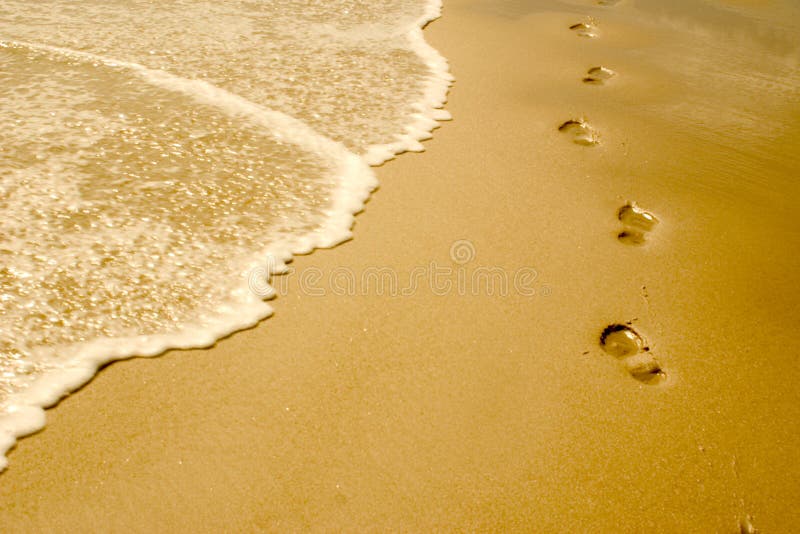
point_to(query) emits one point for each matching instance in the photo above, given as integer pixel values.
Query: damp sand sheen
(641, 156)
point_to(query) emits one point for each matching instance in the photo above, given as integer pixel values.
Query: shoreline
(484, 412)
(27, 408)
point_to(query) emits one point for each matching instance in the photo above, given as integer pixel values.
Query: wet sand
(437, 410)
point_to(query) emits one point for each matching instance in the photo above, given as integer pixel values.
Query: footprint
(625, 343)
(599, 75)
(582, 133)
(636, 222)
(746, 526)
(609, 3)
(632, 215)
(631, 237)
(645, 368)
(621, 341)
(587, 28)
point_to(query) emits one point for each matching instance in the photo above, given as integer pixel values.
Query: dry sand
(486, 412)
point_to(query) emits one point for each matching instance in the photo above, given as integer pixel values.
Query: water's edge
(25, 414)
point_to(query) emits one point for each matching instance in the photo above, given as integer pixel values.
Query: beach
(487, 402)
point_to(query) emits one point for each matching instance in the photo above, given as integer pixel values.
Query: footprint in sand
(580, 130)
(632, 237)
(624, 343)
(608, 3)
(636, 222)
(621, 341)
(598, 75)
(587, 28)
(746, 526)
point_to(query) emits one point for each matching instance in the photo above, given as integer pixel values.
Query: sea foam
(154, 154)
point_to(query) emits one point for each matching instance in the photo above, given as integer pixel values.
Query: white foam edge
(429, 109)
(25, 411)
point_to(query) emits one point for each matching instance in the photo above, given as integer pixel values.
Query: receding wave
(140, 185)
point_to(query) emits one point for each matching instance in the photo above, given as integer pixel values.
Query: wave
(326, 183)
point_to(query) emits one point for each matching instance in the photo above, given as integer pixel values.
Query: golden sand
(444, 411)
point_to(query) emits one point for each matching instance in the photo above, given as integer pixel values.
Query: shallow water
(154, 154)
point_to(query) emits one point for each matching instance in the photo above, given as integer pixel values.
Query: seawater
(152, 154)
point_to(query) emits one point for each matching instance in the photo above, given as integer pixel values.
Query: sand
(442, 409)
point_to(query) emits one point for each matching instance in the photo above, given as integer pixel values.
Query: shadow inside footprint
(599, 75)
(645, 368)
(631, 237)
(582, 133)
(585, 29)
(621, 341)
